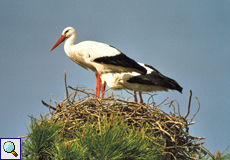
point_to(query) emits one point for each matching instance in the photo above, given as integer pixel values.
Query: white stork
(99, 57)
(152, 81)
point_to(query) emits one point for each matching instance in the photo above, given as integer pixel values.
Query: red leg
(99, 84)
(141, 100)
(135, 96)
(96, 88)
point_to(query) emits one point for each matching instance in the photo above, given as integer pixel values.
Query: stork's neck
(69, 43)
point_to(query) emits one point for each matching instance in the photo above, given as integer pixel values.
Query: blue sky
(185, 40)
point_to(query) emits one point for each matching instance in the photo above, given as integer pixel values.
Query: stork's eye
(66, 31)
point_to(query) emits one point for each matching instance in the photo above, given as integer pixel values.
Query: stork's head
(66, 33)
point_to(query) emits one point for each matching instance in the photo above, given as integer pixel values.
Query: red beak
(61, 39)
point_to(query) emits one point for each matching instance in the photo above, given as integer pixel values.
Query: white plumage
(98, 57)
(152, 81)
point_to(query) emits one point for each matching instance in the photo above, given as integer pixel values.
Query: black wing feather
(121, 60)
(156, 79)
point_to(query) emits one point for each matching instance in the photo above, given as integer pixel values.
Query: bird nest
(171, 128)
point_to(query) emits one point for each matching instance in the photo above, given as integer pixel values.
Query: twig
(189, 103)
(198, 109)
(22, 136)
(171, 104)
(66, 89)
(49, 106)
(162, 101)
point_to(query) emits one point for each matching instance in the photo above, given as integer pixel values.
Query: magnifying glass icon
(9, 147)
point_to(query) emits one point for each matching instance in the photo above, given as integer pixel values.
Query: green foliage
(115, 140)
(225, 155)
(69, 150)
(39, 142)
(108, 138)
